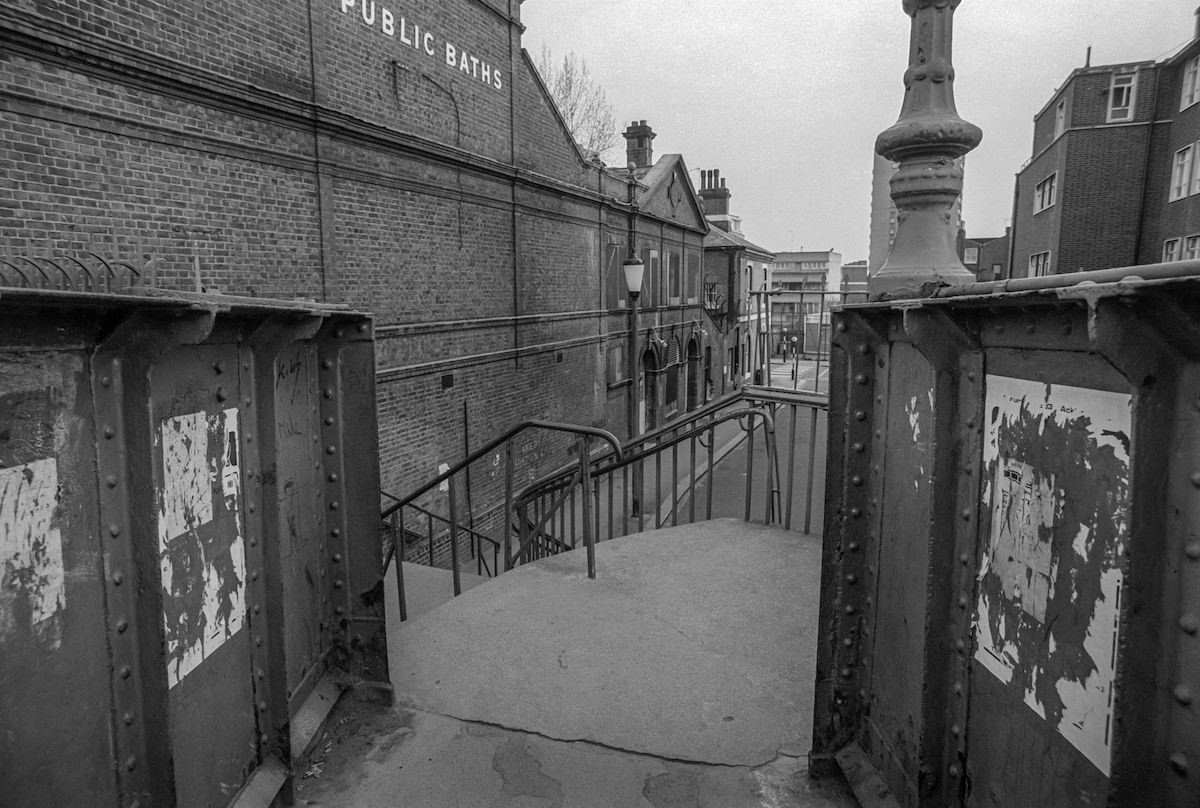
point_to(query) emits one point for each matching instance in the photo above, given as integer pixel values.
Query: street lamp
(795, 363)
(634, 271)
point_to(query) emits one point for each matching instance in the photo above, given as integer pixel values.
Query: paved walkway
(681, 676)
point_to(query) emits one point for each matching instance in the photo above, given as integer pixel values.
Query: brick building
(404, 160)
(1113, 179)
(737, 275)
(985, 256)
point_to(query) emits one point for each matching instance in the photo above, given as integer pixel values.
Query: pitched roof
(718, 239)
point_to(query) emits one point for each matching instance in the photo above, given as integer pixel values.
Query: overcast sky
(785, 97)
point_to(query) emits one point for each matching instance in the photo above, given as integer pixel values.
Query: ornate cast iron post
(926, 141)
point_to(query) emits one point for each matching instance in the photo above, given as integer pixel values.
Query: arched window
(671, 398)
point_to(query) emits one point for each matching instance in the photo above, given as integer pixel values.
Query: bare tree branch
(582, 103)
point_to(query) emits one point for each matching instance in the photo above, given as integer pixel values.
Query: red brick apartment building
(402, 159)
(1114, 178)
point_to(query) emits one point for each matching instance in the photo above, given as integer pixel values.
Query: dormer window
(1120, 97)
(1191, 83)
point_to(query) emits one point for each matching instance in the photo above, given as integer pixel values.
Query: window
(618, 364)
(650, 291)
(674, 278)
(1120, 97)
(1039, 264)
(616, 296)
(1181, 173)
(1060, 118)
(692, 282)
(1191, 83)
(1170, 250)
(1043, 193)
(971, 255)
(1191, 248)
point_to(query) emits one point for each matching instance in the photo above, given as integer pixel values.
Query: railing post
(398, 558)
(812, 462)
(584, 482)
(509, 515)
(454, 538)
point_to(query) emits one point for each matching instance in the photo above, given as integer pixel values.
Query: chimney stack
(638, 145)
(714, 196)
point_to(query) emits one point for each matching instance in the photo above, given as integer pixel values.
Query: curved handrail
(554, 426)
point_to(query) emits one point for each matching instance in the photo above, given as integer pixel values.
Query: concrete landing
(681, 676)
(425, 588)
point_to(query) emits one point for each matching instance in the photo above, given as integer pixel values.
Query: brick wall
(290, 154)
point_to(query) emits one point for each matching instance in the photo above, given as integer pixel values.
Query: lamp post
(634, 270)
(795, 363)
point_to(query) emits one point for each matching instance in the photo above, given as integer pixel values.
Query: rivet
(339, 332)
(222, 394)
(1189, 623)
(966, 514)
(109, 432)
(858, 448)
(860, 378)
(130, 763)
(849, 643)
(864, 349)
(963, 602)
(860, 415)
(964, 558)
(340, 610)
(849, 610)
(337, 558)
(126, 672)
(879, 433)
(258, 641)
(1193, 550)
(247, 402)
(967, 471)
(851, 578)
(333, 506)
(219, 366)
(249, 438)
(264, 739)
(335, 532)
(1195, 478)
(970, 423)
(882, 361)
(955, 730)
(114, 530)
(862, 695)
(330, 450)
(251, 507)
(856, 512)
(852, 547)
(254, 541)
(118, 578)
(333, 478)
(329, 421)
(257, 608)
(878, 399)
(254, 575)
(841, 328)
(846, 673)
(327, 364)
(259, 673)
(246, 364)
(112, 481)
(328, 392)
(262, 706)
(1178, 763)
(960, 645)
(856, 479)
(105, 381)
(958, 688)
(954, 770)
(122, 625)
(127, 718)
(337, 584)
(971, 376)
(1183, 694)
(362, 328)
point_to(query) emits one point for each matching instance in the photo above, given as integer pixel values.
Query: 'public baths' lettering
(410, 34)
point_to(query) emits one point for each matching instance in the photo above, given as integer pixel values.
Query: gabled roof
(718, 239)
(670, 194)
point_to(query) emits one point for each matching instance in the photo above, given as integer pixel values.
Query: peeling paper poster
(1056, 485)
(31, 559)
(201, 554)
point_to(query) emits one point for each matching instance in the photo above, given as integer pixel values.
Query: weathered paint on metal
(32, 586)
(1057, 488)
